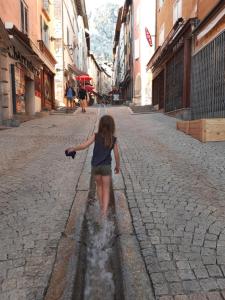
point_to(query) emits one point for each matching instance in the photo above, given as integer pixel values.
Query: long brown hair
(107, 129)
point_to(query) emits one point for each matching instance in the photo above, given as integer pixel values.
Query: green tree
(102, 28)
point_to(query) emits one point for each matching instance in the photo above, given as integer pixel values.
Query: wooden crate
(196, 128)
(214, 130)
(208, 130)
(183, 126)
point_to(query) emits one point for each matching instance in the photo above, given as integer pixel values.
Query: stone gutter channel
(98, 259)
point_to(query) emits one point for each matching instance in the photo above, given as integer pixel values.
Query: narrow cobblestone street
(37, 189)
(175, 191)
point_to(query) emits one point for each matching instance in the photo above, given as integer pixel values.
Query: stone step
(143, 109)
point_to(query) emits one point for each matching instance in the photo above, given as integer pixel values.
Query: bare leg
(98, 179)
(83, 106)
(106, 183)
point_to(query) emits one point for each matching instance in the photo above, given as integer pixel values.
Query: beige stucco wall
(93, 72)
(205, 6)
(190, 9)
(165, 15)
(10, 12)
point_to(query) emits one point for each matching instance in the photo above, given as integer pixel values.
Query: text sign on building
(148, 37)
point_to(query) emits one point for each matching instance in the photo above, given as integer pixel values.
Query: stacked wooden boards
(204, 130)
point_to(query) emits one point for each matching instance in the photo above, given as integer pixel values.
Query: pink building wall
(10, 12)
(136, 63)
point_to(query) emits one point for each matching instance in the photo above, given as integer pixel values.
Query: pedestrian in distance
(104, 142)
(82, 95)
(70, 94)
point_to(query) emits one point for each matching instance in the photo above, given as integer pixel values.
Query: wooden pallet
(204, 130)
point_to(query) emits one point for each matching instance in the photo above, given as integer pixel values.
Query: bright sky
(91, 4)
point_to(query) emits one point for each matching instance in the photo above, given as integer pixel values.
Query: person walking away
(70, 94)
(82, 95)
(104, 142)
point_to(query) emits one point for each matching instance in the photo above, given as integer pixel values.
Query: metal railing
(208, 81)
(174, 82)
(158, 90)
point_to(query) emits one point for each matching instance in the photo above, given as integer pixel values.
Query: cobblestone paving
(176, 193)
(37, 188)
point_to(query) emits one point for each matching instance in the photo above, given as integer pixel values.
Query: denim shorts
(103, 170)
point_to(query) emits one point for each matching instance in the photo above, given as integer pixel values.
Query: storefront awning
(25, 47)
(21, 51)
(179, 29)
(4, 37)
(45, 56)
(76, 70)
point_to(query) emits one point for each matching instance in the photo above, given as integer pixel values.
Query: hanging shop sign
(148, 37)
(16, 55)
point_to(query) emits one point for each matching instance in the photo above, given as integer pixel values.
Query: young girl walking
(105, 141)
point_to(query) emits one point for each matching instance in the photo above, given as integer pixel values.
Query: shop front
(4, 74)
(171, 71)
(47, 89)
(208, 66)
(126, 88)
(25, 66)
(44, 83)
(44, 90)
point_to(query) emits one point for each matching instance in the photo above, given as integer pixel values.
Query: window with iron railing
(24, 17)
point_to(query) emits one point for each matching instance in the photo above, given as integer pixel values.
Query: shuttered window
(177, 10)
(24, 17)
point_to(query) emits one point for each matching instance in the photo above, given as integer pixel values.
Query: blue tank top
(69, 93)
(101, 153)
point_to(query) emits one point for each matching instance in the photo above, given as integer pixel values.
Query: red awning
(83, 78)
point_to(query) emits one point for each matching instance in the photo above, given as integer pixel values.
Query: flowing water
(99, 281)
(98, 276)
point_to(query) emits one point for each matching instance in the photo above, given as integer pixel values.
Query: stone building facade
(71, 44)
(132, 51)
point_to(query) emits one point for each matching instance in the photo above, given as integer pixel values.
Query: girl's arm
(83, 145)
(117, 158)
